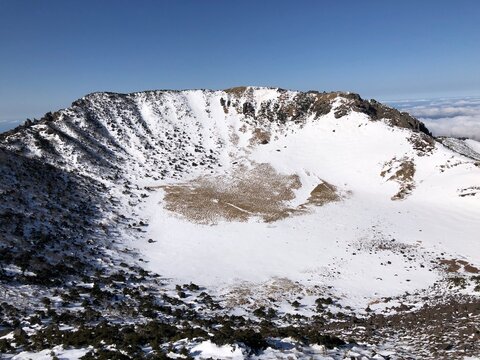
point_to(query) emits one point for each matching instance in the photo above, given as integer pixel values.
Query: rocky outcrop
(378, 111)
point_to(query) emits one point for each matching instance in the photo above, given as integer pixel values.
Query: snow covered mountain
(300, 209)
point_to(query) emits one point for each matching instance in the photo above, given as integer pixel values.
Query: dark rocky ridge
(378, 111)
(320, 103)
(311, 101)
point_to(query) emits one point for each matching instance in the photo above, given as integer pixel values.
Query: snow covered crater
(246, 187)
(307, 203)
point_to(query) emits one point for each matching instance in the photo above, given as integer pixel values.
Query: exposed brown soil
(260, 137)
(259, 191)
(323, 194)
(471, 269)
(236, 91)
(454, 265)
(402, 171)
(451, 265)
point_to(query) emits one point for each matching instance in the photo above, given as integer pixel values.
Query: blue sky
(55, 51)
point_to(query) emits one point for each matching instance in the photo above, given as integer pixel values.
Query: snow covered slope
(263, 196)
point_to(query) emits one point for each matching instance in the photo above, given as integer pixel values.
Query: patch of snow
(207, 349)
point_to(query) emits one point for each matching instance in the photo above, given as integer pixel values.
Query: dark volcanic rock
(378, 111)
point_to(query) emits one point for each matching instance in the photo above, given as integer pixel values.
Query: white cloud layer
(447, 117)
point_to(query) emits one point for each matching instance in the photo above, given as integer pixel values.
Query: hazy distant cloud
(8, 124)
(447, 117)
(436, 112)
(457, 126)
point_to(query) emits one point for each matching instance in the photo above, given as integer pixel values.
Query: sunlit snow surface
(59, 351)
(334, 245)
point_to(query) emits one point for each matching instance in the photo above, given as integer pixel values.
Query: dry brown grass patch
(259, 191)
(323, 194)
(260, 136)
(451, 265)
(454, 265)
(236, 91)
